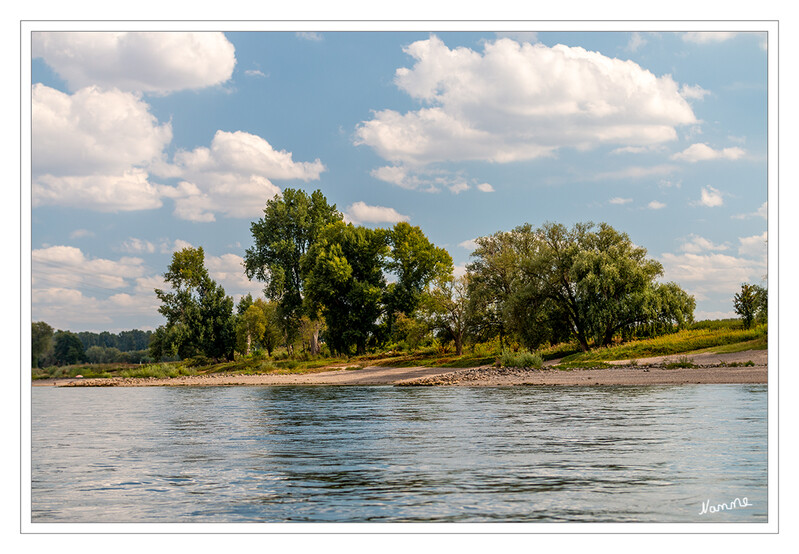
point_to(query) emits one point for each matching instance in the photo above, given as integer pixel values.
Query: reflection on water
(236, 454)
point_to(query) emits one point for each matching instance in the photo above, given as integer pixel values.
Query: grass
(686, 341)
(725, 336)
(683, 362)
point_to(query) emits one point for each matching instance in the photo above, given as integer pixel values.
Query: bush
(521, 359)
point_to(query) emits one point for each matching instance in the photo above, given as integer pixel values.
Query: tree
(751, 300)
(761, 311)
(494, 277)
(589, 282)
(41, 341)
(257, 326)
(416, 262)
(199, 314)
(290, 225)
(447, 306)
(67, 348)
(345, 282)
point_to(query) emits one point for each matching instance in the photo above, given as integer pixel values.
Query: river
(399, 454)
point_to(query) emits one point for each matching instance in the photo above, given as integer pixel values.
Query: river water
(398, 454)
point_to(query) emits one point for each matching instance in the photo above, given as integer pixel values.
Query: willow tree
(590, 281)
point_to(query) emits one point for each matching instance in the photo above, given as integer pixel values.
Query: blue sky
(144, 143)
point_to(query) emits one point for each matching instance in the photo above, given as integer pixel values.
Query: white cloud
(694, 92)
(158, 62)
(697, 245)
(701, 315)
(701, 152)
(519, 36)
(137, 246)
(635, 172)
(521, 101)
(91, 149)
(458, 187)
(470, 244)
(655, 205)
(705, 275)
(754, 246)
(708, 37)
(711, 197)
(67, 266)
(426, 179)
(620, 201)
(233, 177)
(254, 73)
(459, 270)
(309, 35)
(228, 271)
(762, 211)
(636, 41)
(80, 233)
(360, 212)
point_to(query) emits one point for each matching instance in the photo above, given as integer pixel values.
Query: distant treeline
(125, 341)
(50, 347)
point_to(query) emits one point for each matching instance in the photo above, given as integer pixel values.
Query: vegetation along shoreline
(349, 304)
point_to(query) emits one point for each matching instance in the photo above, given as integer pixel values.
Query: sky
(144, 143)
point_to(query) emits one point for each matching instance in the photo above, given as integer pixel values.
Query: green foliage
(751, 303)
(521, 359)
(745, 303)
(67, 348)
(674, 343)
(41, 341)
(124, 341)
(292, 222)
(684, 362)
(589, 282)
(345, 282)
(199, 314)
(447, 308)
(258, 326)
(416, 262)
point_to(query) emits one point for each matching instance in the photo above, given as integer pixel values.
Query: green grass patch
(684, 362)
(689, 340)
(581, 365)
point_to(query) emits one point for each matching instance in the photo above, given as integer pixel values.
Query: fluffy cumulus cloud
(71, 290)
(157, 62)
(696, 244)
(655, 205)
(762, 211)
(233, 177)
(711, 198)
(755, 246)
(701, 152)
(91, 149)
(228, 271)
(708, 271)
(360, 212)
(521, 101)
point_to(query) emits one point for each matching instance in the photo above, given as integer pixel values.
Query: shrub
(521, 359)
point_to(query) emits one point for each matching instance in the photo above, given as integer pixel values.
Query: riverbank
(709, 368)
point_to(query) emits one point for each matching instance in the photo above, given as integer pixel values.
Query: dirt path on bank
(714, 368)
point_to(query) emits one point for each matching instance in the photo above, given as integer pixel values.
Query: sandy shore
(714, 368)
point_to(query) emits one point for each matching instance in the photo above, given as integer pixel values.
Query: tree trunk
(458, 345)
(315, 340)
